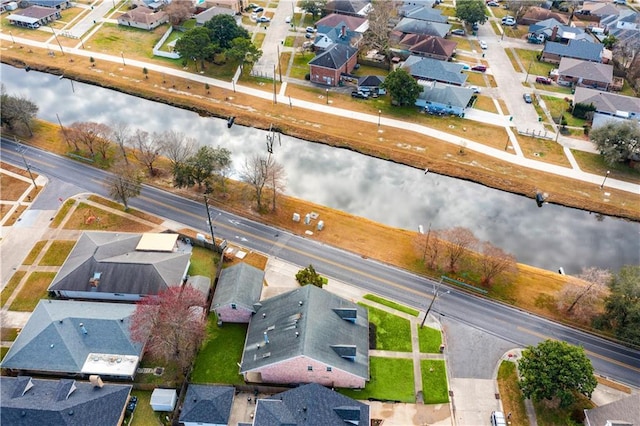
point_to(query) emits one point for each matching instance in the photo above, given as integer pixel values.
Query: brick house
(573, 72)
(143, 18)
(237, 291)
(308, 335)
(429, 46)
(327, 66)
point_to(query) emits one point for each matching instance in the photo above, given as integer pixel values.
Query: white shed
(163, 399)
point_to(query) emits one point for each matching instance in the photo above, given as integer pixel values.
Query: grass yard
(543, 149)
(203, 262)
(62, 212)
(510, 394)
(217, 361)
(392, 304)
(549, 87)
(3, 352)
(485, 103)
(300, 65)
(514, 62)
(57, 253)
(434, 381)
(132, 212)
(392, 332)
(549, 415)
(167, 379)
(143, 414)
(34, 289)
(33, 254)
(475, 78)
(430, 340)
(11, 188)
(134, 43)
(11, 286)
(8, 334)
(529, 60)
(384, 384)
(594, 163)
(518, 32)
(91, 218)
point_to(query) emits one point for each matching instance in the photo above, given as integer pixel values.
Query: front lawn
(392, 332)
(385, 384)
(217, 361)
(57, 253)
(391, 304)
(430, 340)
(530, 62)
(549, 415)
(33, 254)
(203, 262)
(34, 289)
(434, 381)
(510, 393)
(11, 286)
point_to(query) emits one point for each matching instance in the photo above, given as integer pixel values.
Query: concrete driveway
(275, 33)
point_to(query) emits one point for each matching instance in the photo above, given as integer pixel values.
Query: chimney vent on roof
(301, 303)
(264, 315)
(83, 329)
(266, 338)
(96, 381)
(297, 334)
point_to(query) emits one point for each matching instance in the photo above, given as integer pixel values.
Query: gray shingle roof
(370, 80)
(580, 49)
(310, 405)
(433, 69)
(622, 410)
(606, 101)
(123, 269)
(53, 341)
(240, 284)
(586, 69)
(446, 94)
(416, 26)
(427, 14)
(207, 404)
(308, 311)
(334, 57)
(85, 406)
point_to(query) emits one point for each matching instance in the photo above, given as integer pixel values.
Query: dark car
(527, 98)
(359, 95)
(543, 80)
(458, 32)
(258, 9)
(481, 68)
(133, 401)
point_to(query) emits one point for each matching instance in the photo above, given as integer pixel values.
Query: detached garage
(163, 399)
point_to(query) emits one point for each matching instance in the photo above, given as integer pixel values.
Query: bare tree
(91, 135)
(377, 36)
(520, 7)
(429, 246)
(583, 295)
(458, 241)
(121, 135)
(261, 172)
(176, 146)
(179, 11)
(172, 325)
(125, 183)
(145, 149)
(493, 261)
(17, 110)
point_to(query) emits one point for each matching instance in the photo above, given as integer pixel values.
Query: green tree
(609, 41)
(402, 87)
(202, 166)
(309, 275)
(125, 183)
(556, 370)
(471, 11)
(622, 306)
(314, 7)
(195, 44)
(223, 29)
(618, 142)
(242, 49)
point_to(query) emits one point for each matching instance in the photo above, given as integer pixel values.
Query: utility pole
(26, 165)
(213, 238)
(435, 296)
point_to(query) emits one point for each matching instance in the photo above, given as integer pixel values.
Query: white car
(287, 19)
(483, 45)
(475, 89)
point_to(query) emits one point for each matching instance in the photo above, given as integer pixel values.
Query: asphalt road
(609, 359)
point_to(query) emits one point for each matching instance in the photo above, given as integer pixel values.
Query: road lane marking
(593, 354)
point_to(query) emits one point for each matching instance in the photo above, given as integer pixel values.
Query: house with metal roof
(310, 405)
(623, 412)
(64, 337)
(574, 72)
(237, 293)
(206, 405)
(434, 70)
(444, 98)
(609, 103)
(418, 26)
(122, 266)
(34, 17)
(583, 50)
(25, 401)
(308, 335)
(326, 67)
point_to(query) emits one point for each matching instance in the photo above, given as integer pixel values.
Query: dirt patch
(90, 218)
(11, 188)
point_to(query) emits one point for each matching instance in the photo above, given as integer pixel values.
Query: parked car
(483, 45)
(311, 30)
(508, 21)
(475, 89)
(287, 19)
(264, 19)
(543, 80)
(458, 32)
(258, 9)
(527, 98)
(493, 4)
(475, 26)
(481, 68)
(497, 419)
(359, 95)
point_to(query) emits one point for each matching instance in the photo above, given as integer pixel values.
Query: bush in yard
(309, 275)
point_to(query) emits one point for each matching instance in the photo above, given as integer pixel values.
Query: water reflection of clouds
(549, 237)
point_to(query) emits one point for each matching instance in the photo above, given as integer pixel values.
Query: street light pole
(528, 69)
(605, 179)
(26, 165)
(12, 40)
(327, 92)
(123, 63)
(435, 296)
(379, 113)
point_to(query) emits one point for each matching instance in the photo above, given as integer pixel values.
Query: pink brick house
(308, 335)
(238, 289)
(327, 66)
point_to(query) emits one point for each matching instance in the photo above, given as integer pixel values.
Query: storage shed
(163, 399)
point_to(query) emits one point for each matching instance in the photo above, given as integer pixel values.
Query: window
(329, 368)
(310, 368)
(233, 306)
